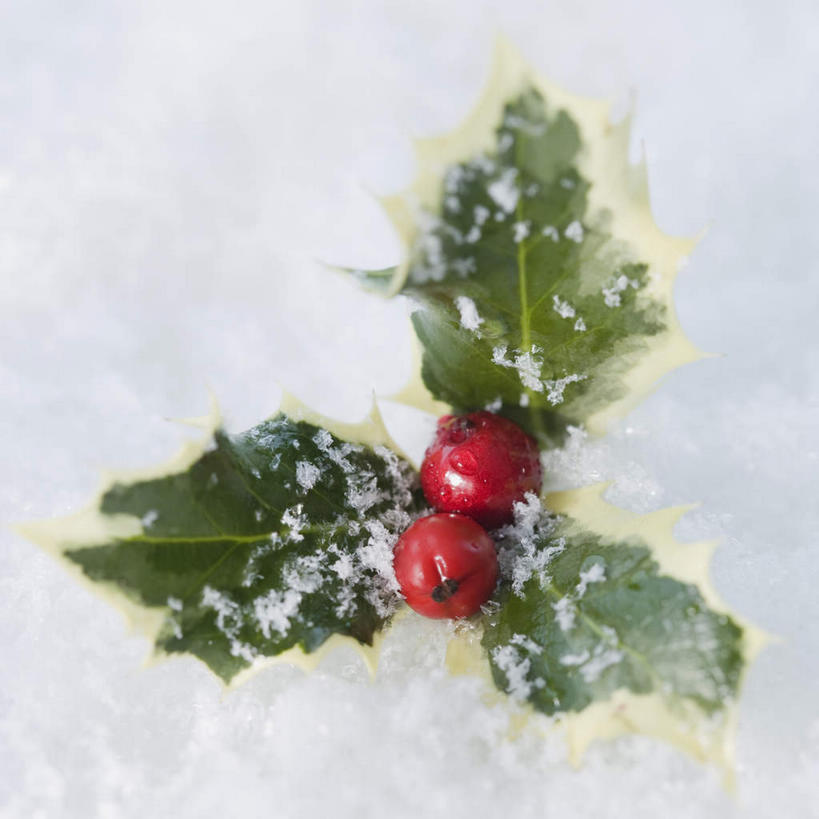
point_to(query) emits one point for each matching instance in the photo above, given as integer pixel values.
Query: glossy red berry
(480, 464)
(446, 565)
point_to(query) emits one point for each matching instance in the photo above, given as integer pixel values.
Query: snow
(470, 319)
(307, 474)
(611, 293)
(562, 308)
(504, 190)
(521, 231)
(516, 669)
(574, 231)
(168, 173)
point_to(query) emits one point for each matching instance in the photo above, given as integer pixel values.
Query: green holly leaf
(249, 546)
(542, 286)
(603, 619)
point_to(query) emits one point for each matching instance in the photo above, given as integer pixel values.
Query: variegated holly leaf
(603, 619)
(542, 286)
(249, 546)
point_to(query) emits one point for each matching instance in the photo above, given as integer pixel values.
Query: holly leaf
(542, 286)
(605, 621)
(251, 546)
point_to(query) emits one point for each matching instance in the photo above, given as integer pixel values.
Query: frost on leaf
(279, 537)
(599, 607)
(538, 273)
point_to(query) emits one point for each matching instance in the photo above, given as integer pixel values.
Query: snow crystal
(473, 235)
(303, 573)
(481, 215)
(574, 231)
(550, 231)
(528, 365)
(565, 612)
(611, 293)
(523, 401)
(454, 177)
(464, 267)
(521, 554)
(505, 141)
(596, 573)
(580, 325)
(362, 492)
(600, 660)
(508, 659)
(556, 387)
(344, 566)
(494, 405)
(307, 474)
(453, 204)
(575, 659)
(149, 518)
(470, 320)
(567, 183)
(294, 519)
(274, 610)
(401, 476)
(430, 260)
(521, 231)
(229, 621)
(504, 191)
(174, 603)
(592, 664)
(562, 308)
(337, 454)
(526, 643)
(376, 555)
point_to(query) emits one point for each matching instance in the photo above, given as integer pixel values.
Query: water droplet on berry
(465, 462)
(458, 429)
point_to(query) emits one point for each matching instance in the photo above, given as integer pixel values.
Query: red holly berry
(480, 464)
(446, 565)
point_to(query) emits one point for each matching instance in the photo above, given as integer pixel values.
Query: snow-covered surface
(170, 172)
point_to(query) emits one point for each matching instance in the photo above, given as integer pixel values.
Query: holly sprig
(542, 291)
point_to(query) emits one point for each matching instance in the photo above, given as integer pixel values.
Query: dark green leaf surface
(277, 537)
(582, 616)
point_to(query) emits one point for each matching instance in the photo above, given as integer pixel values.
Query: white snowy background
(170, 172)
